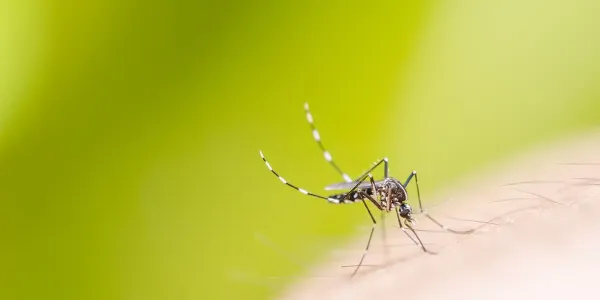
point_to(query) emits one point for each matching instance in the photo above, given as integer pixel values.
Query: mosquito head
(405, 211)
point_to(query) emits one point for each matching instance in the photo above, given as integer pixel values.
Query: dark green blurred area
(129, 131)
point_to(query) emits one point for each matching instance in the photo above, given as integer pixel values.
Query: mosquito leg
(362, 195)
(317, 138)
(362, 258)
(366, 251)
(402, 227)
(371, 197)
(374, 196)
(361, 179)
(385, 168)
(346, 185)
(341, 198)
(416, 235)
(334, 200)
(369, 211)
(327, 154)
(386, 253)
(365, 195)
(414, 174)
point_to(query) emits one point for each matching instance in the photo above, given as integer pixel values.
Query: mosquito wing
(348, 185)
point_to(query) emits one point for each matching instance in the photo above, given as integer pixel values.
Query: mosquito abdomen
(351, 198)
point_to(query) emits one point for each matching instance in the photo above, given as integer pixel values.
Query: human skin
(541, 239)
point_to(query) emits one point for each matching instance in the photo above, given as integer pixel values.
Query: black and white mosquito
(387, 195)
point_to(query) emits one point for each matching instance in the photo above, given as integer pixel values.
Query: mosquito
(386, 195)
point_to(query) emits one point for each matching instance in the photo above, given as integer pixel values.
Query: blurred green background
(130, 130)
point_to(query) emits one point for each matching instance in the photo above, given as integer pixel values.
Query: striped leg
(330, 199)
(373, 198)
(350, 197)
(326, 153)
(347, 178)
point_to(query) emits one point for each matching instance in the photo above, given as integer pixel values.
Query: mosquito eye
(405, 210)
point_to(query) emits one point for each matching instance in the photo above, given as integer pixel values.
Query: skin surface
(544, 242)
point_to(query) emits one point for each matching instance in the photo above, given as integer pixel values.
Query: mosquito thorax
(396, 189)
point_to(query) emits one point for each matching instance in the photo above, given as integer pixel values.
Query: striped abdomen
(357, 195)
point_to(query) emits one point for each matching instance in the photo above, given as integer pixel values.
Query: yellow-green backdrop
(130, 130)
